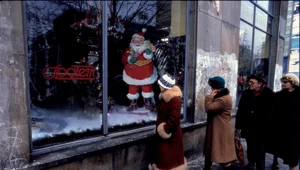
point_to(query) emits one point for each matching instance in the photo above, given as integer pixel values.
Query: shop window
(262, 20)
(132, 87)
(244, 60)
(261, 53)
(64, 54)
(247, 11)
(264, 4)
(65, 65)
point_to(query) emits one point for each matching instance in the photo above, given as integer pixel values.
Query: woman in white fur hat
(169, 153)
(287, 119)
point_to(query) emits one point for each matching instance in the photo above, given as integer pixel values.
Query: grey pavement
(198, 164)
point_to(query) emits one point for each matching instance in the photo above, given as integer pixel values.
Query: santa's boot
(132, 106)
(149, 105)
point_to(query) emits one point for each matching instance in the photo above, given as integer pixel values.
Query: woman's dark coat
(254, 113)
(287, 125)
(169, 142)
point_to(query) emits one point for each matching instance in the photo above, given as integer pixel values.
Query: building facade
(64, 98)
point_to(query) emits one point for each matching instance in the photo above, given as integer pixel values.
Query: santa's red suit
(140, 74)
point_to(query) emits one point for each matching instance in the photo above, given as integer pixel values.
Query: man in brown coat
(219, 144)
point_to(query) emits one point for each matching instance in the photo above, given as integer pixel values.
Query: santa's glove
(148, 51)
(132, 60)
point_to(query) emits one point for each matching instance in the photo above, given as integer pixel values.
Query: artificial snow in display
(47, 123)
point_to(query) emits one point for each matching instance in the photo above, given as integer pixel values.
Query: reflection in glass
(262, 20)
(245, 49)
(261, 53)
(264, 4)
(247, 11)
(146, 39)
(64, 54)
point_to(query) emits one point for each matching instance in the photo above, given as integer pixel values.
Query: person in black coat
(287, 121)
(253, 114)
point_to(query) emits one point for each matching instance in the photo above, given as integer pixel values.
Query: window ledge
(46, 160)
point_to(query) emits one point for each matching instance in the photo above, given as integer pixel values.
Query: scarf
(257, 93)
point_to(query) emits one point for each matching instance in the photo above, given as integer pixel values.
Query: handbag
(239, 150)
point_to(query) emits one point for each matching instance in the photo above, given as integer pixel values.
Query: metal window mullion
(270, 50)
(27, 77)
(261, 8)
(185, 91)
(263, 30)
(253, 35)
(247, 22)
(104, 68)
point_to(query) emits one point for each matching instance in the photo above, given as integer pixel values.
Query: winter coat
(287, 125)
(168, 139)
(254, 114)
(142, 72)
(219, 139)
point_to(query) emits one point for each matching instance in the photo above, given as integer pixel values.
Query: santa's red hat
(140, 34)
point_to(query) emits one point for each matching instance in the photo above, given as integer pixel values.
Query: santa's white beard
(138, 48)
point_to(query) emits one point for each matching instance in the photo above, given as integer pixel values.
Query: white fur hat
(167, 81)
(291, 78)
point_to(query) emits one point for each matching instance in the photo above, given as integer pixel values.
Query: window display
(64, 57)
(145, 39)
(140, 50)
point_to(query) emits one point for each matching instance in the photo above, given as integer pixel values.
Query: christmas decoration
(139, 71)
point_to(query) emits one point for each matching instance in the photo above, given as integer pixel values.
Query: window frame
(269, 15)
(105, 133)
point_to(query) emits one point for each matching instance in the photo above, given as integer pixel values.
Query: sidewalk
(198, 164)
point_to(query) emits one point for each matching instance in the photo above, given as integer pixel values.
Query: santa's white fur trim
(138, 36)
(128, 59)
(147, 95)
(132, 96)
(180, 167)
(132, 81)
(144, 30)
(148, 56)
(161, 131)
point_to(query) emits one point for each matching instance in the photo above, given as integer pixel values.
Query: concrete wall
(14, 138)
(135, 157)
(217, 48)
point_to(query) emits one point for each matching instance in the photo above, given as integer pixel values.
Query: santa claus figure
(139, 71)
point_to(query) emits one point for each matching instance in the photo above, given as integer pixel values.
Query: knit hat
(258, 77)
(216, 82)
(140, 34)
(292, 78)
(167, 81)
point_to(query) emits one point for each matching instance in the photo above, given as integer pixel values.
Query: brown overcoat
(219, 139)
(168, 139)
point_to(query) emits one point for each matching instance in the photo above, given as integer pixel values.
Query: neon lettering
(75, 72)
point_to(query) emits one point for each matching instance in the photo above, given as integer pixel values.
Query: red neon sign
(75, 72)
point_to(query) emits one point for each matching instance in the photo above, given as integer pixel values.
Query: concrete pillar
(277, 43)
(217, 37)
(14, 138)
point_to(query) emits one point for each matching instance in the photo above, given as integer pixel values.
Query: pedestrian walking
(288, 121)
(219, 146)
(253, 117)
(168, 139)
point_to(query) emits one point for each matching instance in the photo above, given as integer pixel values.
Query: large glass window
(261, 53)
(66, 75)
(140, 50)
(262, 20)
(247, 11)
(64, 55)
(255, 40)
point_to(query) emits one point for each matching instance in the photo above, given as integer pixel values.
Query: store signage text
(75, 72)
